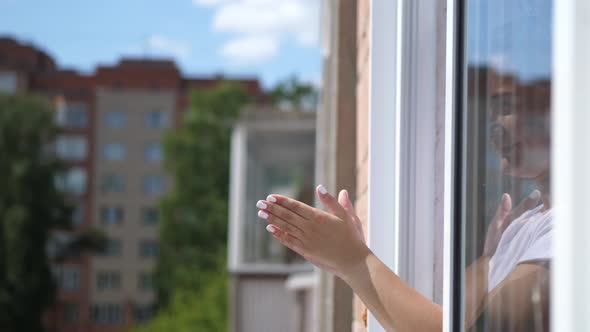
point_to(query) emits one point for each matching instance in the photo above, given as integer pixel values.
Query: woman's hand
(504, 216)
(332, 241)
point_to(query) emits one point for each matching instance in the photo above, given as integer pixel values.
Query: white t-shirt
(527, 238)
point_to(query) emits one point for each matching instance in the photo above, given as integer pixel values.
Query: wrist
(359, 267)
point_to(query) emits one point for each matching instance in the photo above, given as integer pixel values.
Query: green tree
(191, 271)
(291, 94)
(30, 207)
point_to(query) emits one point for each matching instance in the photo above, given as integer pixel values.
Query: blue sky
(265, 38)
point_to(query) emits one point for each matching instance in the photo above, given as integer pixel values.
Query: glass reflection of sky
(512, 36)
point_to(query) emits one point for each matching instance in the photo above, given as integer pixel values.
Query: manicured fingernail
(535, 194)
(270, 228)
(263, 214)
(322, 190)
(261, 205)
(271, 199)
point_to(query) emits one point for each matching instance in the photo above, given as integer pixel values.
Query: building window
(153, 152)
(72, 181)
(148, 248)
(111, 215)
(112, 248)
(71, 148)
(114, 152)
(150, 216)
(71, 312)
(8, 82)
(144, 312)
(107, 313)
(78, 214)
(145, 281)
(67, 277)
(73, 115)
(506, 218)
(154, 184)
(156, 120)
(108, 280)
(115, 119)
(112, 183)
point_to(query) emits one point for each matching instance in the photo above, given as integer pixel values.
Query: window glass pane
(150, 216)
(506, 215)
(72, 181)
(71, 148)
(78, 214)
(67, 277)
(148, 248)
(8, 82)
(111, 215)
(114, 152)
(145, 281)
(153, 152)
(280, 163)
(108, 280)
(112, 183)
(156, 120)
(154, 184)
(71, 312)
(73, 115)
(115, 119)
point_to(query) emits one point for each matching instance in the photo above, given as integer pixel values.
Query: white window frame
(404, 98)
(570, 177)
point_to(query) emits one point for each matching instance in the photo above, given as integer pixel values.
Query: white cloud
(208, 2)
(249, 49)
(166, 46)
(264, 20)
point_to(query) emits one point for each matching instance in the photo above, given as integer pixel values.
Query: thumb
(503, 209)
(330, 202)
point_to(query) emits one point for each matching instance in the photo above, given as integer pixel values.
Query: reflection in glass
(507, 212)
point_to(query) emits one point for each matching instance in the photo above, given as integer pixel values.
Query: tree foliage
(191, 270)
(292, 94)
(30, 206)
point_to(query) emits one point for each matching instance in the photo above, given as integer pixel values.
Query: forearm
(476, 289)
(395, 304)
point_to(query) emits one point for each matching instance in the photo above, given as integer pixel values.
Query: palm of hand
(504, 216)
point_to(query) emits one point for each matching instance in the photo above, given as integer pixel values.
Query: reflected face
(520, 127)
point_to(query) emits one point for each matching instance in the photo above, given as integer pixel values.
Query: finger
(285, 226)
(286, 239)
(503, 208)
(529, 203)
(344, 201)
(283, 213)
(330, 202)
(302, 209)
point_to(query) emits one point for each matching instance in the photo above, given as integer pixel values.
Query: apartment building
(112, 123)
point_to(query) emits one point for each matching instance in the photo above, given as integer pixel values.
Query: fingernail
(261, 205)
(535, 194)
(346, 193)
(322, 190)
(263, 214)
(270, 228)
(271, 199)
